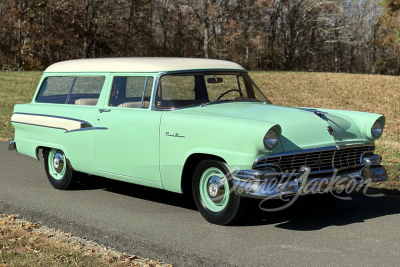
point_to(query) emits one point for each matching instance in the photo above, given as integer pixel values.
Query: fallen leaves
(22, 242)
(29, 225)
(10, 217)
(68, 235)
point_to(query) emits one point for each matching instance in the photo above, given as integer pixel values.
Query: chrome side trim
(87, 129)
(320, 149)
(41, 125)
(50, 116)
(85, 124)
(63, 123)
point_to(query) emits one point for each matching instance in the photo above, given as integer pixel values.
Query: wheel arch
(43, 148)
(190, 165)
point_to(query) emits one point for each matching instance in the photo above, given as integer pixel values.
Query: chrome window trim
(258, 89)
(159, 76)
(133, 75)
(144, 91)
(320, 149)
(70, 90)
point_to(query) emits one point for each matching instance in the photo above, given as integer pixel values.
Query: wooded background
(354, 36)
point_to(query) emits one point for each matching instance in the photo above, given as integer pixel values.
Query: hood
(301, 128)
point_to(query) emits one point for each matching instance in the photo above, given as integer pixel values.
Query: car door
(129, 146)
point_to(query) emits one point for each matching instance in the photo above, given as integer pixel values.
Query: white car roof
(141, 64)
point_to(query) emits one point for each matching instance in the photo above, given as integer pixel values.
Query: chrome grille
(318, 161)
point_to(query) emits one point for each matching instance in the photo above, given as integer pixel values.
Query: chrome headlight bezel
(377, 129)
(271, 139)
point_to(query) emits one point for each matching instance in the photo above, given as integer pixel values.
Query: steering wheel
(233, 90)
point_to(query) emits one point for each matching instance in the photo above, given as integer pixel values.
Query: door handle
(104, 110)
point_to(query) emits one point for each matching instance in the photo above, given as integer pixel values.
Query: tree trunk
(205, 44)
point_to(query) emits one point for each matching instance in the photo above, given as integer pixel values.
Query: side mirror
(215, 80)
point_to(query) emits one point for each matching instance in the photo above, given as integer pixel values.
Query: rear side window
(86, 91)
(55, 90)
(80, 90)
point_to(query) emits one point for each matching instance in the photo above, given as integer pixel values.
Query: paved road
(162, 225)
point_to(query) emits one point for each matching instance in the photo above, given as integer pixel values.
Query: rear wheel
(213, 194)
(60, 174)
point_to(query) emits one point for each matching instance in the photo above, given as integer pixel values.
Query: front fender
(363, 120)
(238, 141)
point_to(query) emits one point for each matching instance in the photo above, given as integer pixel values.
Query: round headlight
(377, 129)
(271, 139)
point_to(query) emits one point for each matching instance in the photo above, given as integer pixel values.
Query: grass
(15, 88)
(28, 244)
(369, 93)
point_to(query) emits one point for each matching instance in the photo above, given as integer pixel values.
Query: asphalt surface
(161, 225)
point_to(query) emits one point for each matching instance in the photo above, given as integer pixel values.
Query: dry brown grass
(369, 93)
(15, 88)
(27, 244)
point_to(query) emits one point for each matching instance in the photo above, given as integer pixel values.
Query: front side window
(185, 89)
(80, 90)
(131, 92)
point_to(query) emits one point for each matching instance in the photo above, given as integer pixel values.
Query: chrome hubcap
(216, 189)
(58, 162)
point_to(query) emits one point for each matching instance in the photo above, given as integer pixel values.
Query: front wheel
(60, 174)
(213, 193)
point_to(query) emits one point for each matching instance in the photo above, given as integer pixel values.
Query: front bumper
(273, 185)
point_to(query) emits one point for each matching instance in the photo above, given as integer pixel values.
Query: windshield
(188, 89)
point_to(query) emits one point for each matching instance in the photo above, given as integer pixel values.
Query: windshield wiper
(234, 100)
(248, 99)
(215, 102)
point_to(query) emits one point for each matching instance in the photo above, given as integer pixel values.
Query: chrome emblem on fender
(174, 135)
(330, 130)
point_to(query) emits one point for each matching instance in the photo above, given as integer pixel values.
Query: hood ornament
(320, 114)
(330, 130)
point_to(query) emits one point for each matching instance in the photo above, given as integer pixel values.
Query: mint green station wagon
(195, 126)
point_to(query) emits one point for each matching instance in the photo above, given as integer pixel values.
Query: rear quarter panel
(78, 146)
